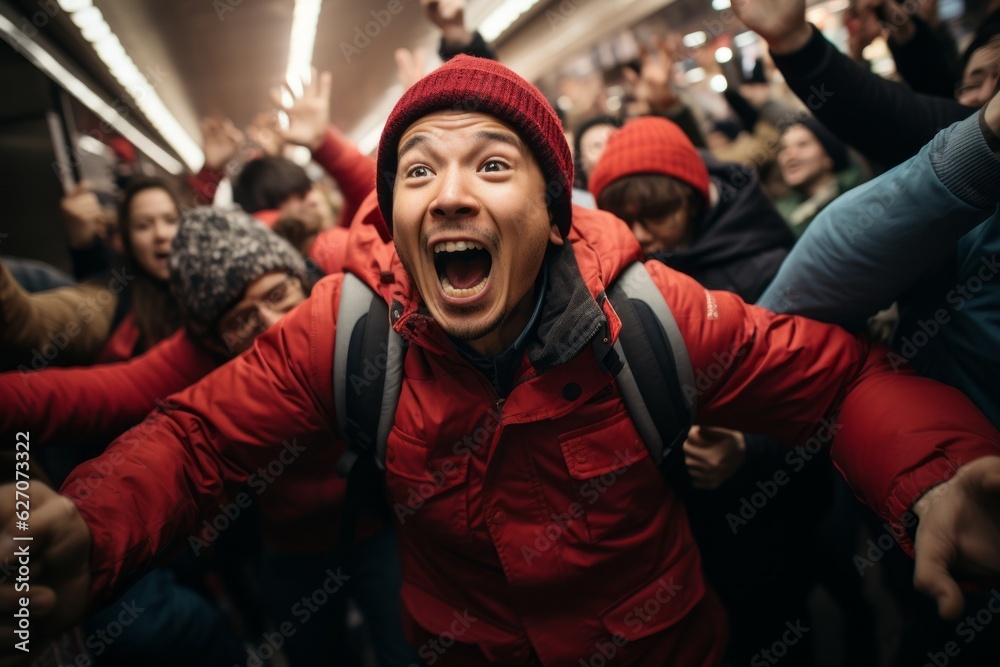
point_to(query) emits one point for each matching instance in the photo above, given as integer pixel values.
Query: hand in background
(219, 140)
(59, 561)
(309, 115)
(84, 216)
(959, 534)
(713, 455)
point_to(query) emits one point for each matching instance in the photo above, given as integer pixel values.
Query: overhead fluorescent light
(501, 18)
(745, 39)
(695, 75)
(719, 5)
(109, 49)
(695, 39)
(723, 54)
(44, 61)
(305, 18)
(718, 83)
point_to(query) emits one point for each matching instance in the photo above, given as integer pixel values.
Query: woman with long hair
(111, 317)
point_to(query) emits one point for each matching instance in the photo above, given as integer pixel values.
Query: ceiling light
(305, 18)
(745, 39)
(109, 49)
(44, 61)
(723, 54)
(695, 75)
(695, 39)
(718, 83)
(501, 18)
(70, 6)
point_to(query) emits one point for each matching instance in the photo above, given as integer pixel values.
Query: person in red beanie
(508, 429)
(705, 218)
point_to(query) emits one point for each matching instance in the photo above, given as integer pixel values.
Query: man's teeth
(457, 246)
(457, 293)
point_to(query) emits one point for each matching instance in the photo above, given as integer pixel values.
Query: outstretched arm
(884, 120)
(869, 246)
(893, 435)
(179, 463)
(309, 126)
(67, 325)
(73, 404)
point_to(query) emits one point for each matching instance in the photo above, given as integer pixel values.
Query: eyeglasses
(249, 319)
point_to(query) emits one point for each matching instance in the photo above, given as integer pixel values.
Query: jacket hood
(742, 223)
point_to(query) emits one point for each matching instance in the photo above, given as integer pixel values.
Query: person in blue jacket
(925, 235)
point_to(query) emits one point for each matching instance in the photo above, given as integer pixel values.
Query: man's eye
(419, 171)
(277, 295)
(494, 166)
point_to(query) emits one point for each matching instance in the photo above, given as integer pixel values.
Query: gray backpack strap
(367, 372)
(655, 377)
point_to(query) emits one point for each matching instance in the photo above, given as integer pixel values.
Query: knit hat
(650, 145)
(466, 83)
(216, 255)
(833, 146)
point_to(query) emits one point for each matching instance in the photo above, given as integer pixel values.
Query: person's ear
(555, 236)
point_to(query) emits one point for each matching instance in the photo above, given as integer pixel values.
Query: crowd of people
(623, 389)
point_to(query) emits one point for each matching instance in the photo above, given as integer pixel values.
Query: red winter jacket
(536, 528)
(298, 492)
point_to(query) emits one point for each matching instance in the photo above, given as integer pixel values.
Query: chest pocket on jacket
(610, 469)
(430, 492)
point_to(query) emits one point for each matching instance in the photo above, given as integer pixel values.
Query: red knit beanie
(649, 145)
(466, 83)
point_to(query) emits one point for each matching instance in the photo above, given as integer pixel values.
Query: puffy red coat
(536, 530)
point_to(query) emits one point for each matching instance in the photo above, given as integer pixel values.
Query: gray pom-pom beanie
(214, 258)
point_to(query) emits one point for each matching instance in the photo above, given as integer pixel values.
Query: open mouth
(463, 268)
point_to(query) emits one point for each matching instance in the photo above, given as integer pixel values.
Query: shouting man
(509, 428)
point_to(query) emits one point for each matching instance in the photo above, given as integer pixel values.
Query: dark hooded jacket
(740, 242)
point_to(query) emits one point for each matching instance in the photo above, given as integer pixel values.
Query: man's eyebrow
(503, 137)
(410, 144)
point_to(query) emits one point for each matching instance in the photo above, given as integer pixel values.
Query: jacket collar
(574, 310)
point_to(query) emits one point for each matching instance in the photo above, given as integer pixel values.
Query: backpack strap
(367, 376)
(656, 367)
(367, 379)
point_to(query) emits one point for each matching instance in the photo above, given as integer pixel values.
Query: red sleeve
(330, 250)
(204, 184)
(71, 404)
(146, 493)
(353, 172)
(805, 383)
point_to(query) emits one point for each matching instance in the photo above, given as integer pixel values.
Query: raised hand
(58, 557)
(449, 16)
(653, 85)
(84, 216)
(265, 133)
(959, 534)
(219, 140)
(782, 23)
(309, 115)
(713, 455)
